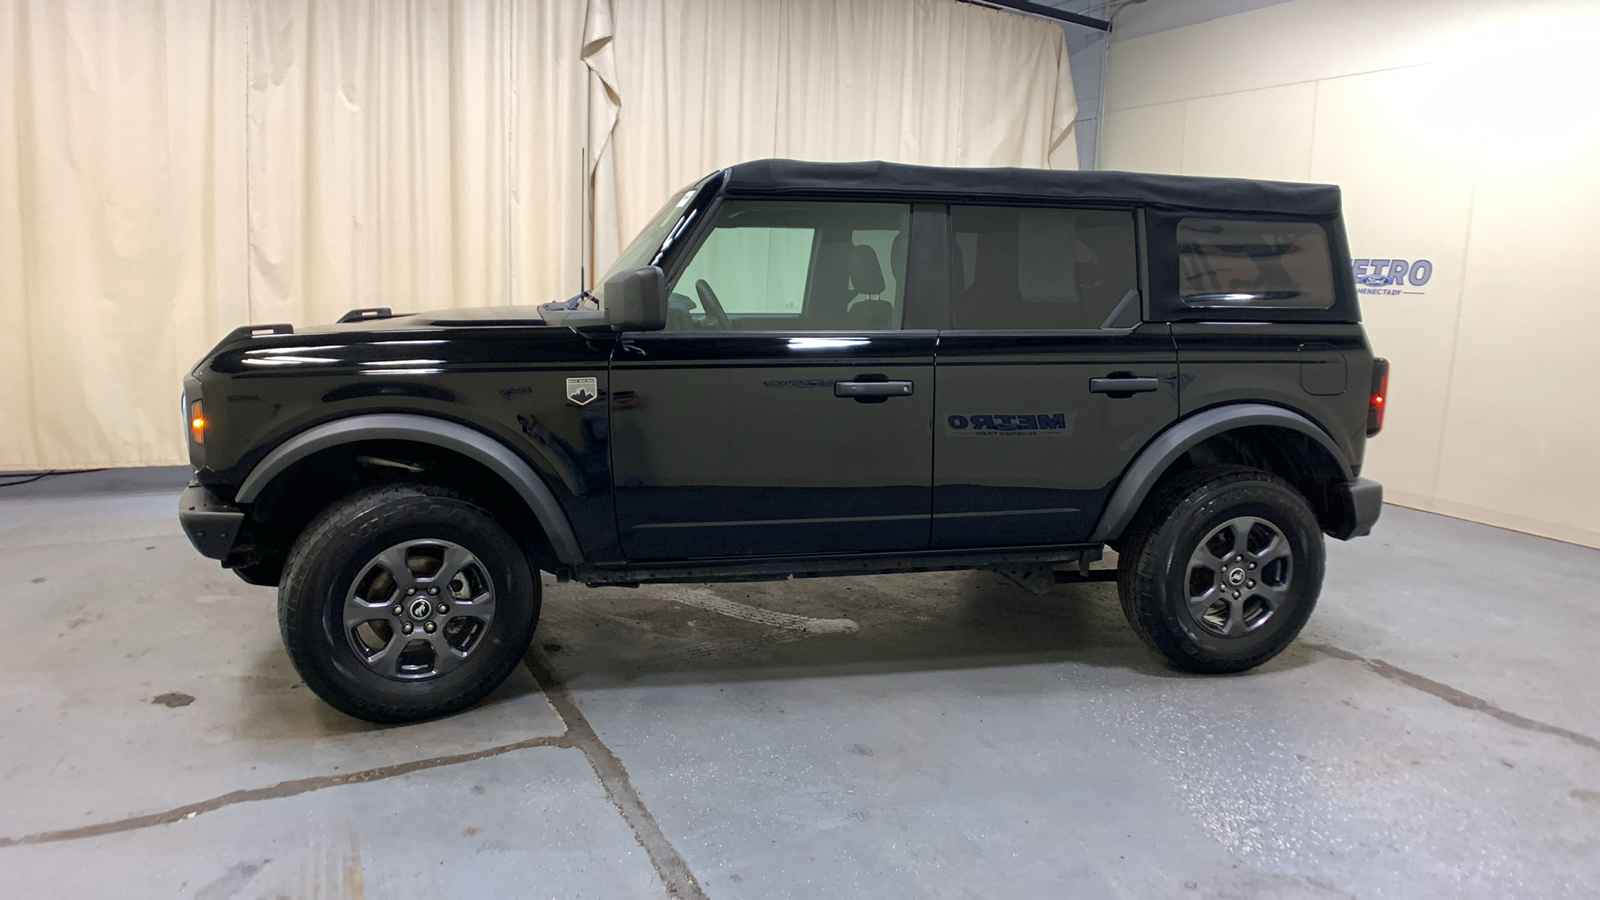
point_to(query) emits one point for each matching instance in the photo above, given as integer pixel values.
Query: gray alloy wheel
(1221, 568)
(419, 609)
(1239, 575)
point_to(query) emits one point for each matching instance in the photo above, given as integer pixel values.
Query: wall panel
(1403, 144)
(1145, 138)
(1265, 133)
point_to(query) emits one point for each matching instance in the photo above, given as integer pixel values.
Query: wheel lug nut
(406, 628)
(1250, 583)
(410, 591)
(397, 610)
(1235, 595)
(433, 590)
(429, 628)
(444, 608)
(1252, 565)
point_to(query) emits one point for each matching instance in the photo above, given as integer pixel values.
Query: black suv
(808, 369)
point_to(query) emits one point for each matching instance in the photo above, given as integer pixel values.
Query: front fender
(474, 445)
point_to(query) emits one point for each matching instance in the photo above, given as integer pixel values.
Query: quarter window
(1254, 263)
(784, 266)
(1025, 268)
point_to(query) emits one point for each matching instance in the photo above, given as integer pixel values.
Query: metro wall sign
(1391, 276)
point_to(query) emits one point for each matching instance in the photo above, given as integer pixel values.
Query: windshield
(643, 250)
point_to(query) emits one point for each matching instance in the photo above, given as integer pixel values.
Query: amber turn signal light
(197, 423)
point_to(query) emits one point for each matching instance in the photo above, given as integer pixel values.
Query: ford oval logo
(1375, 280)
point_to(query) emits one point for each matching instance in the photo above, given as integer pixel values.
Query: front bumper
(211, 524)
(1358, 505)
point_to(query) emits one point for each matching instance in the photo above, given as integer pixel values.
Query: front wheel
(1222, 569)
(405, 602)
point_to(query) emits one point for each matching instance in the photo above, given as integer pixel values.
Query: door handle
(1121, 387)
(871, 391)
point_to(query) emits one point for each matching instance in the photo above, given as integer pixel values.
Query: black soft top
(789, 177)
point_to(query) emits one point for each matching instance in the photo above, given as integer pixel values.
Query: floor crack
(1455, 697)
(669, 865)
(277, 791)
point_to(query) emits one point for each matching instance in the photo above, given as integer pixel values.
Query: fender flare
(1181, 437)
(473, 444)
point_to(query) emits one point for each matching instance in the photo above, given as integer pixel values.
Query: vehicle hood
(466, 317)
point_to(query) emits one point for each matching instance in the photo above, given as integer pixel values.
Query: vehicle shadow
(809, 628)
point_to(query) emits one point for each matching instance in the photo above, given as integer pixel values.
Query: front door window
(808, 266)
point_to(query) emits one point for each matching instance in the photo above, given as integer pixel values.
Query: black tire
(344, 543)
(1170, 555)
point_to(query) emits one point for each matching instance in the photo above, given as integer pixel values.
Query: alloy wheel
(419, 609)
(1239, 576)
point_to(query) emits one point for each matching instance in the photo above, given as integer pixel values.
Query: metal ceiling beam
(1045, 12)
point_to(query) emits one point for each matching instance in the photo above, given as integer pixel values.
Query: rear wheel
(1222, 569)
(406, 602)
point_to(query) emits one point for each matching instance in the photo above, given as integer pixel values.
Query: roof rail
(365, 313)
(247, 331)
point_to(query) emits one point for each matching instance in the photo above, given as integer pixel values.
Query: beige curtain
(707, 83)
(122, 221)
(412, 154)
(170, 169)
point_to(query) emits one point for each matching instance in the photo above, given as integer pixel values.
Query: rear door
(784, 410)
(1049, 380)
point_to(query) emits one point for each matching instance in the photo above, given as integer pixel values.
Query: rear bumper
(211, 524)
(1359, 504)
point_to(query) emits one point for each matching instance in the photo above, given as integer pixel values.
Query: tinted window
(1250, 263)
(1040, 268)
(814, 266)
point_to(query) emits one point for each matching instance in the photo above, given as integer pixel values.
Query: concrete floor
(1435, 732)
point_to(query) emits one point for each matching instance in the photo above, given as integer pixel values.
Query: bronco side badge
(582, 391)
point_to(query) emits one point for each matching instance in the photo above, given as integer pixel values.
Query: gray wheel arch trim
(473, 444)
(1182, 436)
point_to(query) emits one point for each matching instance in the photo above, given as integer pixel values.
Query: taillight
(1379, 397)
(197, 423)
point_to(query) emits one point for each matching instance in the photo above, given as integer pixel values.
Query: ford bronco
(810, 369)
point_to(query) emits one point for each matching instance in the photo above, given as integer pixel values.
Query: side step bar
(779, 568)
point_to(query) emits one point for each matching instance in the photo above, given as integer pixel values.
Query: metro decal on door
(1058, 424)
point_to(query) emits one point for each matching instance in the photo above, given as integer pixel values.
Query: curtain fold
(122, 221)
(170, 169)
(707, 83)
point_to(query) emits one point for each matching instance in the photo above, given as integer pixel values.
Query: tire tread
(363, 512)
(1141, 568)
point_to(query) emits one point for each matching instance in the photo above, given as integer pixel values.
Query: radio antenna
(583, 217)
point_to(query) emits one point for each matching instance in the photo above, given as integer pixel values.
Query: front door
(784, 411)
(1049, 383)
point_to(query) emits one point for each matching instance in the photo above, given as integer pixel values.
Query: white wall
(1464, 132)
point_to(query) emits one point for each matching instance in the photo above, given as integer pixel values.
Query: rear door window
(1254, 263)
(1020, 268)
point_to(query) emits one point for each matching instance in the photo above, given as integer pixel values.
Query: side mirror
(637, 300)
